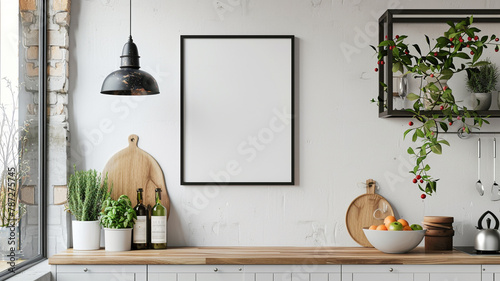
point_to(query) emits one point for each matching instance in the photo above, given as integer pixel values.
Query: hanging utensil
(495, 188)
(479, 184)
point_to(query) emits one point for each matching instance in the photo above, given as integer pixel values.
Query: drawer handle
(85, 270)
(391, 269)
(216, 269)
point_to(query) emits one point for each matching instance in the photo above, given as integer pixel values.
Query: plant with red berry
(439, 63)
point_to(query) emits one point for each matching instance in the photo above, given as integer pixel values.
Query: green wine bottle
(158, 223)
(140, 231)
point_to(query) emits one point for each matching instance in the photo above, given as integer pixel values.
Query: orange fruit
(403, 222)
(381, 227)
(407, 228)
(372, 227)
(388, 220)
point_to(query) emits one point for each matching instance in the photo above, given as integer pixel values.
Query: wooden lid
(437, 219)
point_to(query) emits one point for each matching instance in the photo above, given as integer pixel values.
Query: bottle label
(140, 230)
(158, 229)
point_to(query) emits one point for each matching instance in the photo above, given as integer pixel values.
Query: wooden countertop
(268, 255)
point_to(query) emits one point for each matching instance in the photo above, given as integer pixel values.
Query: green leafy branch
(460, 41)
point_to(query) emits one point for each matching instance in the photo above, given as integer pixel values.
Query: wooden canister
(439, 234)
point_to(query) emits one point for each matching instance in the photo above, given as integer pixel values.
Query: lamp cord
(130, 20)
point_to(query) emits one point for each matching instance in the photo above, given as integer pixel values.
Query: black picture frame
(237, 110)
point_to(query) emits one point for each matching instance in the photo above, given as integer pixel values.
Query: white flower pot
(117, 239)
(481, 101)
(86, 235)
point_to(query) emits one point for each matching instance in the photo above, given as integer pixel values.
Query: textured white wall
(341, 141)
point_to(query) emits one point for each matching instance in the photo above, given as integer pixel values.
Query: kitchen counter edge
(267, 256)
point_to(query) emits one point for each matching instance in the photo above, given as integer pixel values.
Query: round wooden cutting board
(366, 210)
(132, 168)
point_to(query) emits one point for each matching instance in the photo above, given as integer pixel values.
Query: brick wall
(58, 133)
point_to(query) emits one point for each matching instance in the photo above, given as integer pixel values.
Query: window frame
(42, 145)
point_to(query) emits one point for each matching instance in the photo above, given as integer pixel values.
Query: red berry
(444, 88)
(441, 107)
(435, 54)
(410, 123)
(451, 123)
(468, 46)
(378, 62)
(496, 39)
(461, 40)
(471, 52)
(451, 39)
(414, 180)
(376, 69)
(496, 50)
(397, 36)
(469, 38)
(458, 117)
(432, 75)
(419, 177)
(406, 52)
(476, 38)
(452, 46)
(423, 196)
(421, 181)
(386, 37)
(381, 62)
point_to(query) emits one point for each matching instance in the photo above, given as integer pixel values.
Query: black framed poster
(237, 110)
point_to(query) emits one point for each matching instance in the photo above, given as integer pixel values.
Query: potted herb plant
(458, 49)
(481, 82)
(86, 193)
(118, 218)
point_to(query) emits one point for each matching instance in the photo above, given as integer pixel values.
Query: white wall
(341, 141)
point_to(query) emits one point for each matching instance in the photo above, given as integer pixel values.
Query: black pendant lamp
(129, 80)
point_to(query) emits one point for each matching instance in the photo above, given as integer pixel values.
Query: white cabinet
(412, 273)
(491, 272)
(100, 272)
(244, 273)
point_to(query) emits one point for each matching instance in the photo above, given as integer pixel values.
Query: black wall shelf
(386, 27)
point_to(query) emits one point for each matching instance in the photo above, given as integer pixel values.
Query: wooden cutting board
(365, 210)
(132, 168)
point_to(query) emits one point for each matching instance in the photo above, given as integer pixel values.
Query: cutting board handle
(133, 140)
(370, 186)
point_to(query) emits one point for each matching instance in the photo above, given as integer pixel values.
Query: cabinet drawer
(101, 272)
(95, 276)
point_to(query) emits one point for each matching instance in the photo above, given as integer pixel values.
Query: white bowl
(394, 242)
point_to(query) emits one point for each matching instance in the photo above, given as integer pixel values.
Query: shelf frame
(386, 27)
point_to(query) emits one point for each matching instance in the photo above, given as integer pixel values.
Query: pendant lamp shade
(129, 80)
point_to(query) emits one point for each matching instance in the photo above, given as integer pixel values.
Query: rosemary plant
(86, 193)
(483, 80)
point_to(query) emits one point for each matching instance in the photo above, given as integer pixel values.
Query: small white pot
(481, 101)
(117, 239)
(86, 235)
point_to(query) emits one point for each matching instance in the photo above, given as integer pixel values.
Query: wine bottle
(140, 231)
(158, 223)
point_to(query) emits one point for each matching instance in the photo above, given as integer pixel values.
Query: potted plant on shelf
(86, 194)
(458, 49)
(481, 82)
(118, 218)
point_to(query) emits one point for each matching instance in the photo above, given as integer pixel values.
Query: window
(22, 134)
